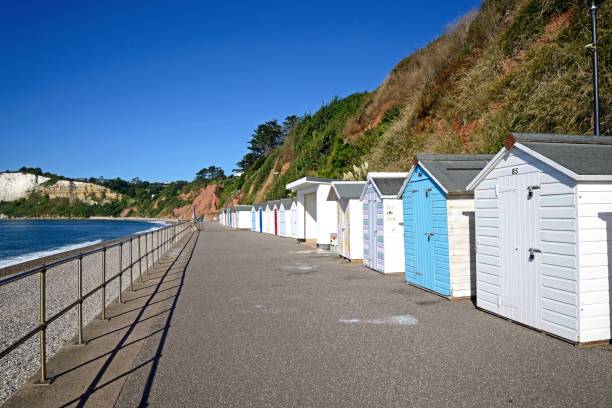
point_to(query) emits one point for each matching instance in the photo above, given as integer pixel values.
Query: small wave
(41, 254)
(160, 224)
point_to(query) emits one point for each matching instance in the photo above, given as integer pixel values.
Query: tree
(37, 171)
(288, 124)
(266, 137)
(210, 173)
(247, 162)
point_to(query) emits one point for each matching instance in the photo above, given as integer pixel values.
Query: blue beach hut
(438, 211)
(261, 215)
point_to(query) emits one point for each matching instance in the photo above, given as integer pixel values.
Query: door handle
(530, 189)
(532, 252)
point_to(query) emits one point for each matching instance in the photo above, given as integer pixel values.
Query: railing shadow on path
(178, 266)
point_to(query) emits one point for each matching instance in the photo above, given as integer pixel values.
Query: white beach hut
(243, 216)
(254, 218)
(346, 195)
(232, 217)
(285, 222)
(268, 214)
(316, 217)
(294, 219)
(439, 223)
(222, 216)
(544, 234)
(275, 219)
(383, 234)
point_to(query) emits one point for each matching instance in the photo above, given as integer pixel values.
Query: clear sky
(160, 89)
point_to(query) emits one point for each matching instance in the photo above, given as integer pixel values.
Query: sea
(24, 240)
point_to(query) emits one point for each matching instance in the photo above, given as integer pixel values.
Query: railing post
(139, 259)
(80, 304)
(146, 237)
(131, 265)
(43, 325)
(103, 313)
(120, 271)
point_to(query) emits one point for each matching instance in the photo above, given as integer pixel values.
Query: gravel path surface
(19, 309)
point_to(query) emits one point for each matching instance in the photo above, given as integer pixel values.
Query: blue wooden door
(424, 271)
(260, 220)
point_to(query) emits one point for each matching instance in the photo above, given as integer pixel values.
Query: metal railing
(162, 241)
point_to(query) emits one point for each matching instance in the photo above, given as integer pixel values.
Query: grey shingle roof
(287, 202)
(388, 185)
(244, 207)
(349, 190)
(583, 155)
(454, 171)
(319, 179)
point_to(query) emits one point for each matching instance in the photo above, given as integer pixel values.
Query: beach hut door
(346, 233)
(425, 270)
(275, 221)
(372, 262)
(520, 242)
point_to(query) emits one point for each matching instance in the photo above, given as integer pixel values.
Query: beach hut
(438, 213)
(383, 234)
(544, 234)
(294, 218)
(231, 217)
(285, 222)
(222, 216)
(349, 209)
(254, 216)
(315, 216)
(242, 214)
(268, 210)
(260, 220)
(275, 208)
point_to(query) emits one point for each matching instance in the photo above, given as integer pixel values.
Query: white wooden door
(373, 232)
(519, 238)
(346, 231)
(340, 228)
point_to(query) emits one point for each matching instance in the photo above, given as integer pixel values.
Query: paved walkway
(255, 320)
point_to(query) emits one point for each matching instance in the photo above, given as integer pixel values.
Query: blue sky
(160, 89)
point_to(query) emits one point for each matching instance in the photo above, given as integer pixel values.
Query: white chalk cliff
(14, 186)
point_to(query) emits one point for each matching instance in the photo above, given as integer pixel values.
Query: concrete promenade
(240, 319)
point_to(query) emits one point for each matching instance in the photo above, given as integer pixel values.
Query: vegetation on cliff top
(511, 65)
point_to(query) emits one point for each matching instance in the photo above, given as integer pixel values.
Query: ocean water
(24, 240)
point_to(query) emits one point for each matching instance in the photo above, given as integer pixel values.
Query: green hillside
(516, 65)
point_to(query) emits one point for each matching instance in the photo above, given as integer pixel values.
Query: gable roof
(583, 155)
(286, 202)
(243, 207)
(582, 158)
(387, 185)
(452, 172)
(349, 190)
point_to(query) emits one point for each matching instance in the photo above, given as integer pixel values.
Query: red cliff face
(205, 201)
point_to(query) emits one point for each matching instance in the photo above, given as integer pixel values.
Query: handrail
(36, 269)
(162, 240)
